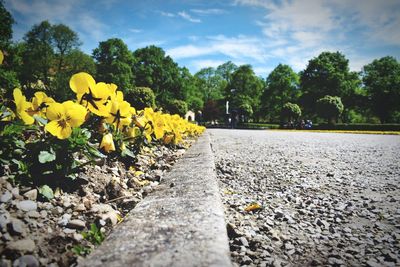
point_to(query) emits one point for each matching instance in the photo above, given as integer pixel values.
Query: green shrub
(140, 97)
(176, 106)
(329, 108)
(290, 111)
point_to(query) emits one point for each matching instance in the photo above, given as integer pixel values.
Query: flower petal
(81, 82)
(55, 111)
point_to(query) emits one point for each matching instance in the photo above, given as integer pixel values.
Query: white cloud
(134, 30)
(205, 63)
(167, 14)
(313, 26)
(262, 71)
(60, 11)
(186, 16)
(239, 48)
(210, 11)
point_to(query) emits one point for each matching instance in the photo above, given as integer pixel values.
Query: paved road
(327, 199)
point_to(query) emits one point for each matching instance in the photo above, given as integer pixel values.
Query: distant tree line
(325, 90)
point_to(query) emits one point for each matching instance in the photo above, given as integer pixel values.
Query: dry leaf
(253, 207)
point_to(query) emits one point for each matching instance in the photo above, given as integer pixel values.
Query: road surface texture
(327, 199)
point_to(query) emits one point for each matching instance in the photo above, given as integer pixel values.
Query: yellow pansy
(92, 95)
(107, 143)
(158, 125)
(1, 57)
(81, 83)
(62, 117)
(133, 132)
(119, 111)
(22, 106)
(40, 102)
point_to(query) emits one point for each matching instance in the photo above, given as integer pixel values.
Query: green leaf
(127, 152)
(47, 192)
(40, 120)
(46, 156)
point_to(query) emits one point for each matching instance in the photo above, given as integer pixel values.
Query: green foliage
(46, 192)
(209, 84)
(94, 235)
(382, 83)
(64, 41)
(195, 103)
(159, 72)
(328, 74)
(6, 22)
(114, 62)
(13, 149)
(225, 71)
(33, 158)
(177, 107)
(290, 111)
(75, 61)
(329, 107)
(140, 97)
(282, 86)
(245, 89)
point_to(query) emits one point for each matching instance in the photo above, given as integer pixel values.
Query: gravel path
(327, 199)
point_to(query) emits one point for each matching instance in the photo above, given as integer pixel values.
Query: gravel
(327, 199)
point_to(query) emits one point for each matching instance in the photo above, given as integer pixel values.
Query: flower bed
(70, 171)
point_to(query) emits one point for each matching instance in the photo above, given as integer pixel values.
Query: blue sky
(202, 33)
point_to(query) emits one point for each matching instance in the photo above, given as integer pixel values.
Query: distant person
(308, 124)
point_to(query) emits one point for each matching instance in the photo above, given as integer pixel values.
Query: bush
(329, 108)
(177, 107)
(290, 111)
(141, 97)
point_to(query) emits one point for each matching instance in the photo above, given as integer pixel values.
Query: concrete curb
(180, 224)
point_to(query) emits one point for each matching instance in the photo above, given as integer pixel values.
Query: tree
(211, 110)
(225, 71)
(282, 86)
(64, 41)
(8, 76)
(209, 84)
(192, 94)
(177, 107)
(114, 63)
(328, 74)
(245, 88)
(159, 72)
(329, 108)
(382, 83)
(75, 61)
(140, 97)
(290, 111)
(6, 22)
(38, 55)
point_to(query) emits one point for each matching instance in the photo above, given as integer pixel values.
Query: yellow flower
(63, 117)
(22, 106)
(92, 95)
(120, 111)
(133, 132)
(158, 125)
(107, 143)
(81, 83)
(40, 102)
(1, 57)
